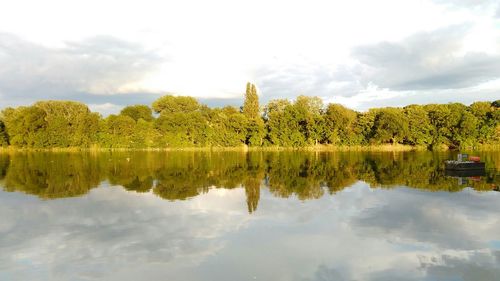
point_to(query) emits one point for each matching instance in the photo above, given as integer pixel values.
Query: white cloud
(99, 65)
(112, 234)
(374, 96)
(119, 233)
(210, 49)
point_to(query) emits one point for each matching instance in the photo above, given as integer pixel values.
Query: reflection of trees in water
(340, 173)
(254, 174)
(4, 165)
(422, 170)
(51, 175)
(290, 174)
(139, 184)
(182, 175)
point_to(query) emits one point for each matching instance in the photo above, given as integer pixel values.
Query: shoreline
(316, 148)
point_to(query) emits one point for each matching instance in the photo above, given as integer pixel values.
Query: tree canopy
(137, 112)
(182, 121)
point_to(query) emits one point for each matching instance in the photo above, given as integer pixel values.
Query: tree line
(185, 174)
(182, 121)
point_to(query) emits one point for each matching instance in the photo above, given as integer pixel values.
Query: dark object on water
(463, 164)
(465, 173)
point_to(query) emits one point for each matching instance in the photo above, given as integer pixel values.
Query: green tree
(439, 115)
(255, 132)
(340, 123)
(277, 129)
(365, 126)
(118, 132)
(390, 126)
(251, 110)
(137, 112)
(486, 123)
(26, 126)
(309, 117)
(145, 135)
(286, 124)
(183, 129)
(68, 123)
(182, 122)
(419, 125)
(457, 110)
(468, 133)
(251, 102)
(228, 127)
(172, 104)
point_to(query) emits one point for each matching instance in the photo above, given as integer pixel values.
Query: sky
(360, 53)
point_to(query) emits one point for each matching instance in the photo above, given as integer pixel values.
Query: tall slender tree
(251, 103)
(251, 110)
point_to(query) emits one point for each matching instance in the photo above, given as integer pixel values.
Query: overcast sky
(359, 53)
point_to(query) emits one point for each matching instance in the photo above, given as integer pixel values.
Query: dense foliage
(181, 121)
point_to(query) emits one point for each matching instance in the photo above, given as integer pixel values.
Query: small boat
(465, 173)
(465, 163)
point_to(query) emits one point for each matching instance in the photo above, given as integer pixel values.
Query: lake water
(247, 216)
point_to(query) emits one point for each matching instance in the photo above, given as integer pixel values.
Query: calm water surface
(246, 216)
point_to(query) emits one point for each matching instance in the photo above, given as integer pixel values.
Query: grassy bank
(383, 147)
